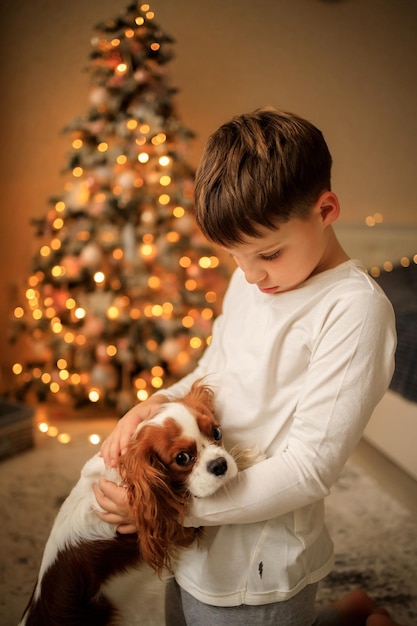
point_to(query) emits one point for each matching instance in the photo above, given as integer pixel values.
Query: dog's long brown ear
(157, 507)
(200, 398)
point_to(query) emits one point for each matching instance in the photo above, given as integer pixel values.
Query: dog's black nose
(218, 466)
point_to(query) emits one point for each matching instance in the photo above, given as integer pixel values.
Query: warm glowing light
(43, 427)
(115, 42)
(70, 303)
(17, 368)
(165, 181)
(77, 144)
(56, 327)
(52, 431)
(94, 439)
(129, 33)
(80, 313)
(150, 15)
(157, 370)
(94, 395)
(375, 271)
(207, 314)
(58, 223)
(62, 364)
(184, 261)
(147, 250)
(111, 350)
(211, 297)
(195, 343)
(121, 159)
(388, 266)
(121, 68)
(173, 237)
(139, 21)
(164, 160)
(178, 212)
(55, 244)
(60, 206)
(77, 172)
(155, 46)
(158, 139)
(46, 378)
(99, 278)
(405, 261)
(54, 387)
(157, 310)
(142, 395)
(18, 312)
(204, 262)
(113, 312)
(75, 379)
(154, 283)
(140, 383)
(131, 124)
(164, 198)
(187, 321)
(191, 284)
(152, 345)
(157, 382)
(45, 251)
(103, 146)
(64, 375)
(143, 157)
(64, 438)
(57, 271)
(69, 337)
(167, 309)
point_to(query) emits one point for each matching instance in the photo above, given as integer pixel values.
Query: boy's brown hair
(259, 169)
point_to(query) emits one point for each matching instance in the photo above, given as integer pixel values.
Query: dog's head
(176, 453)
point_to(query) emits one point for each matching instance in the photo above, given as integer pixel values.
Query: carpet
(375, 536)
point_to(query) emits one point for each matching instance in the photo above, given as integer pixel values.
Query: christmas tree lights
(123, 289)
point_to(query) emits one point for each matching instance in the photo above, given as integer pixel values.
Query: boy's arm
(349, 371)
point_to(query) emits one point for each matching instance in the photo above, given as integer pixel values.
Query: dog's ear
(157, 506)
(200, 399)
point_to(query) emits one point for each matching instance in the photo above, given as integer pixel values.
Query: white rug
(375, 536)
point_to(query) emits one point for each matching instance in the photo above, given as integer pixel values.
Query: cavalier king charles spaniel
(175, 454)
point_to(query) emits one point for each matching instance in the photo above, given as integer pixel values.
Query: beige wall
(349, 65)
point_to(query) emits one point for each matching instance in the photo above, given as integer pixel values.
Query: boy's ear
(329, 207)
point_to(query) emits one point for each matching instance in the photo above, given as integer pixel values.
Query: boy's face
(283, 258)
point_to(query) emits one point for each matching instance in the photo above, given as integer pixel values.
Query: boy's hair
(259, 169)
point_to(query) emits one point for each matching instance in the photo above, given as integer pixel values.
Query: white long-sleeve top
(297, 374)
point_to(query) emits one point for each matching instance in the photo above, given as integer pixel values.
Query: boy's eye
(271, 257)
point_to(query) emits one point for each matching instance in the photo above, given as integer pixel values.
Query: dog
(174, 455)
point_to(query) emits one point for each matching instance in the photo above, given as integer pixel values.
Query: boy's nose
(253, 275)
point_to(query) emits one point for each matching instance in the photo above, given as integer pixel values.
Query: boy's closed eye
(271, 257)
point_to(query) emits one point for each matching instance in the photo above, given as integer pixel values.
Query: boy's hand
(117, 442)
(113, 499)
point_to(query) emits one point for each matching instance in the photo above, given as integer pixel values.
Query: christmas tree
(123, 289)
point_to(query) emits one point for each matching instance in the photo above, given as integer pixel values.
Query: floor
(390, 476)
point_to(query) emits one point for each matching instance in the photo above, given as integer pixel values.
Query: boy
(300, 356)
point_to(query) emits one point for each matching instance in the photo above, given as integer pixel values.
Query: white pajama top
(298, 374)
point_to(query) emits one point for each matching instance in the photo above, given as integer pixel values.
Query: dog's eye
(183, 458)
(217, 433)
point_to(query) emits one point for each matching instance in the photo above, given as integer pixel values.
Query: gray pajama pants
(181, 609)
